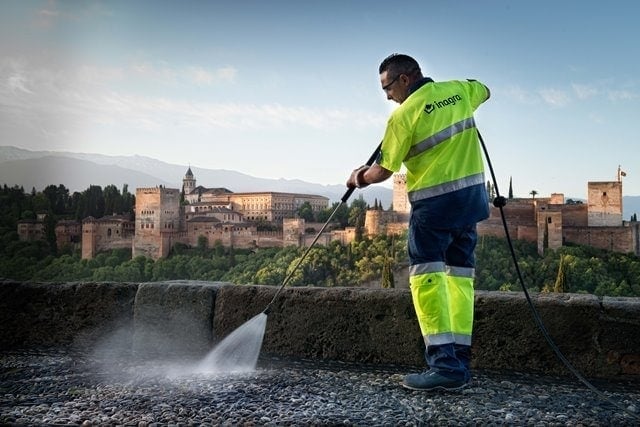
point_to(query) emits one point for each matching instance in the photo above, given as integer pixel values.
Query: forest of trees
(57, 203)
(568, 269)
(95, 201)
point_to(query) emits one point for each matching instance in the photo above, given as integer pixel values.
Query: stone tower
(400, 198)
(605, 204)
(157, 213)
(292, 231)
(549, 228)
(188, 182)
(89, 237)
(373, 222)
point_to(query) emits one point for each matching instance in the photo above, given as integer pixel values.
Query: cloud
(597, 118)
(203, 77)
(555, 97)
(16, 83)
(189, 75)
(47, 16)
(14, 79)
(250, 117)
(584, 91)
(621, 95)
(90, 74)
(519, 94)
(55, 13)
(563, 97)
(588, 91)
(150, 72)
(87, 99)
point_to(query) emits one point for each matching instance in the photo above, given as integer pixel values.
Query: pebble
(64, 387)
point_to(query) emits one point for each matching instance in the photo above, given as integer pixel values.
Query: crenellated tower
(157, 214)
(605, 204)
(400, 198)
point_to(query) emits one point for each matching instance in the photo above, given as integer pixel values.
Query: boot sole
(436, 388)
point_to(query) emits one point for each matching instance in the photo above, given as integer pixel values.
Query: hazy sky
(290, 89)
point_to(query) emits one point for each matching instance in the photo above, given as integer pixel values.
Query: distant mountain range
(76, 171)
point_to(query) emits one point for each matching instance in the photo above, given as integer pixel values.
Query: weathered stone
(600, 337)
(506, 334)
(174, 318)
(48, 314)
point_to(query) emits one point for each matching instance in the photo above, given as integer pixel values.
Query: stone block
(69, 314)
(350, 324)
(507, 336)
(619, 335)
(174, 318)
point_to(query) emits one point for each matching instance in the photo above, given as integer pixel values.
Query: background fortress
(212, 215)
(549, 222)
(217, 215)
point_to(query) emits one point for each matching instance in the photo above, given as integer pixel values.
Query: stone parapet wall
(600, 336)
(63, 314)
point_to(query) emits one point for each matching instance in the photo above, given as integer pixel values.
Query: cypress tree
(511, 187)
(560, 285)
(387, 274)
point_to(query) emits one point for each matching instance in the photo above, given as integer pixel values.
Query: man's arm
(375, 174)
(364, 176)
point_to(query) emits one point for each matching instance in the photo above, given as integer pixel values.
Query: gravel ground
(63, 387)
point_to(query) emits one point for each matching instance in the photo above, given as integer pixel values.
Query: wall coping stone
(599, 336)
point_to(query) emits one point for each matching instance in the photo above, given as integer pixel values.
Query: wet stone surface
(61, 387)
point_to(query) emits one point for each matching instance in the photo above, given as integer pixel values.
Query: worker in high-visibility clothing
(433, 133)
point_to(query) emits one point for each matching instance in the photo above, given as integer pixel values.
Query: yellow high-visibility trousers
(443, 299)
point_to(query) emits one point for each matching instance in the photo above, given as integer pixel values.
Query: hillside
(77, 171)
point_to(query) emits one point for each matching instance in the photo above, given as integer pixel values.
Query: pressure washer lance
(343, 200)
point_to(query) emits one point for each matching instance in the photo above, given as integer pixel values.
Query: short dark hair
(398, 63)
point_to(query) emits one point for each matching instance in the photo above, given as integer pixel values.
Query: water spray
(239, 351)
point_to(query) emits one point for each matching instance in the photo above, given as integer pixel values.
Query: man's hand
(357, 178)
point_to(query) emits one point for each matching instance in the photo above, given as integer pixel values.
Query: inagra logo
(429, 108)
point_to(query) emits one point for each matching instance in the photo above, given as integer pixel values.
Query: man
(433, 133)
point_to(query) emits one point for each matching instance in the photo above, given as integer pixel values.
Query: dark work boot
(432, 380)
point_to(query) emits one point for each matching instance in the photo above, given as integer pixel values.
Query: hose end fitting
(499, 202)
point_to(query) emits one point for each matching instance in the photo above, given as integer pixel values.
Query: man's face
(395, 86)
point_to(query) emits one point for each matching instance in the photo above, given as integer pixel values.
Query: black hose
(500, 203)
(343, 200)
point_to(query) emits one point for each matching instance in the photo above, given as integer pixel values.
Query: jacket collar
(417, 85)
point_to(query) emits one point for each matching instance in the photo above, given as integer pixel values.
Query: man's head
(397, 73)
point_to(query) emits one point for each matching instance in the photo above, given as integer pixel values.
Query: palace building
(197, 215)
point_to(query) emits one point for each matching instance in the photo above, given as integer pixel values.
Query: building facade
(267, 206)
(68, 233)
(30, 230)
(210, 216)
(106, 233)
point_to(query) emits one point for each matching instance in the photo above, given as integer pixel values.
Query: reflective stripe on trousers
(443, 299)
